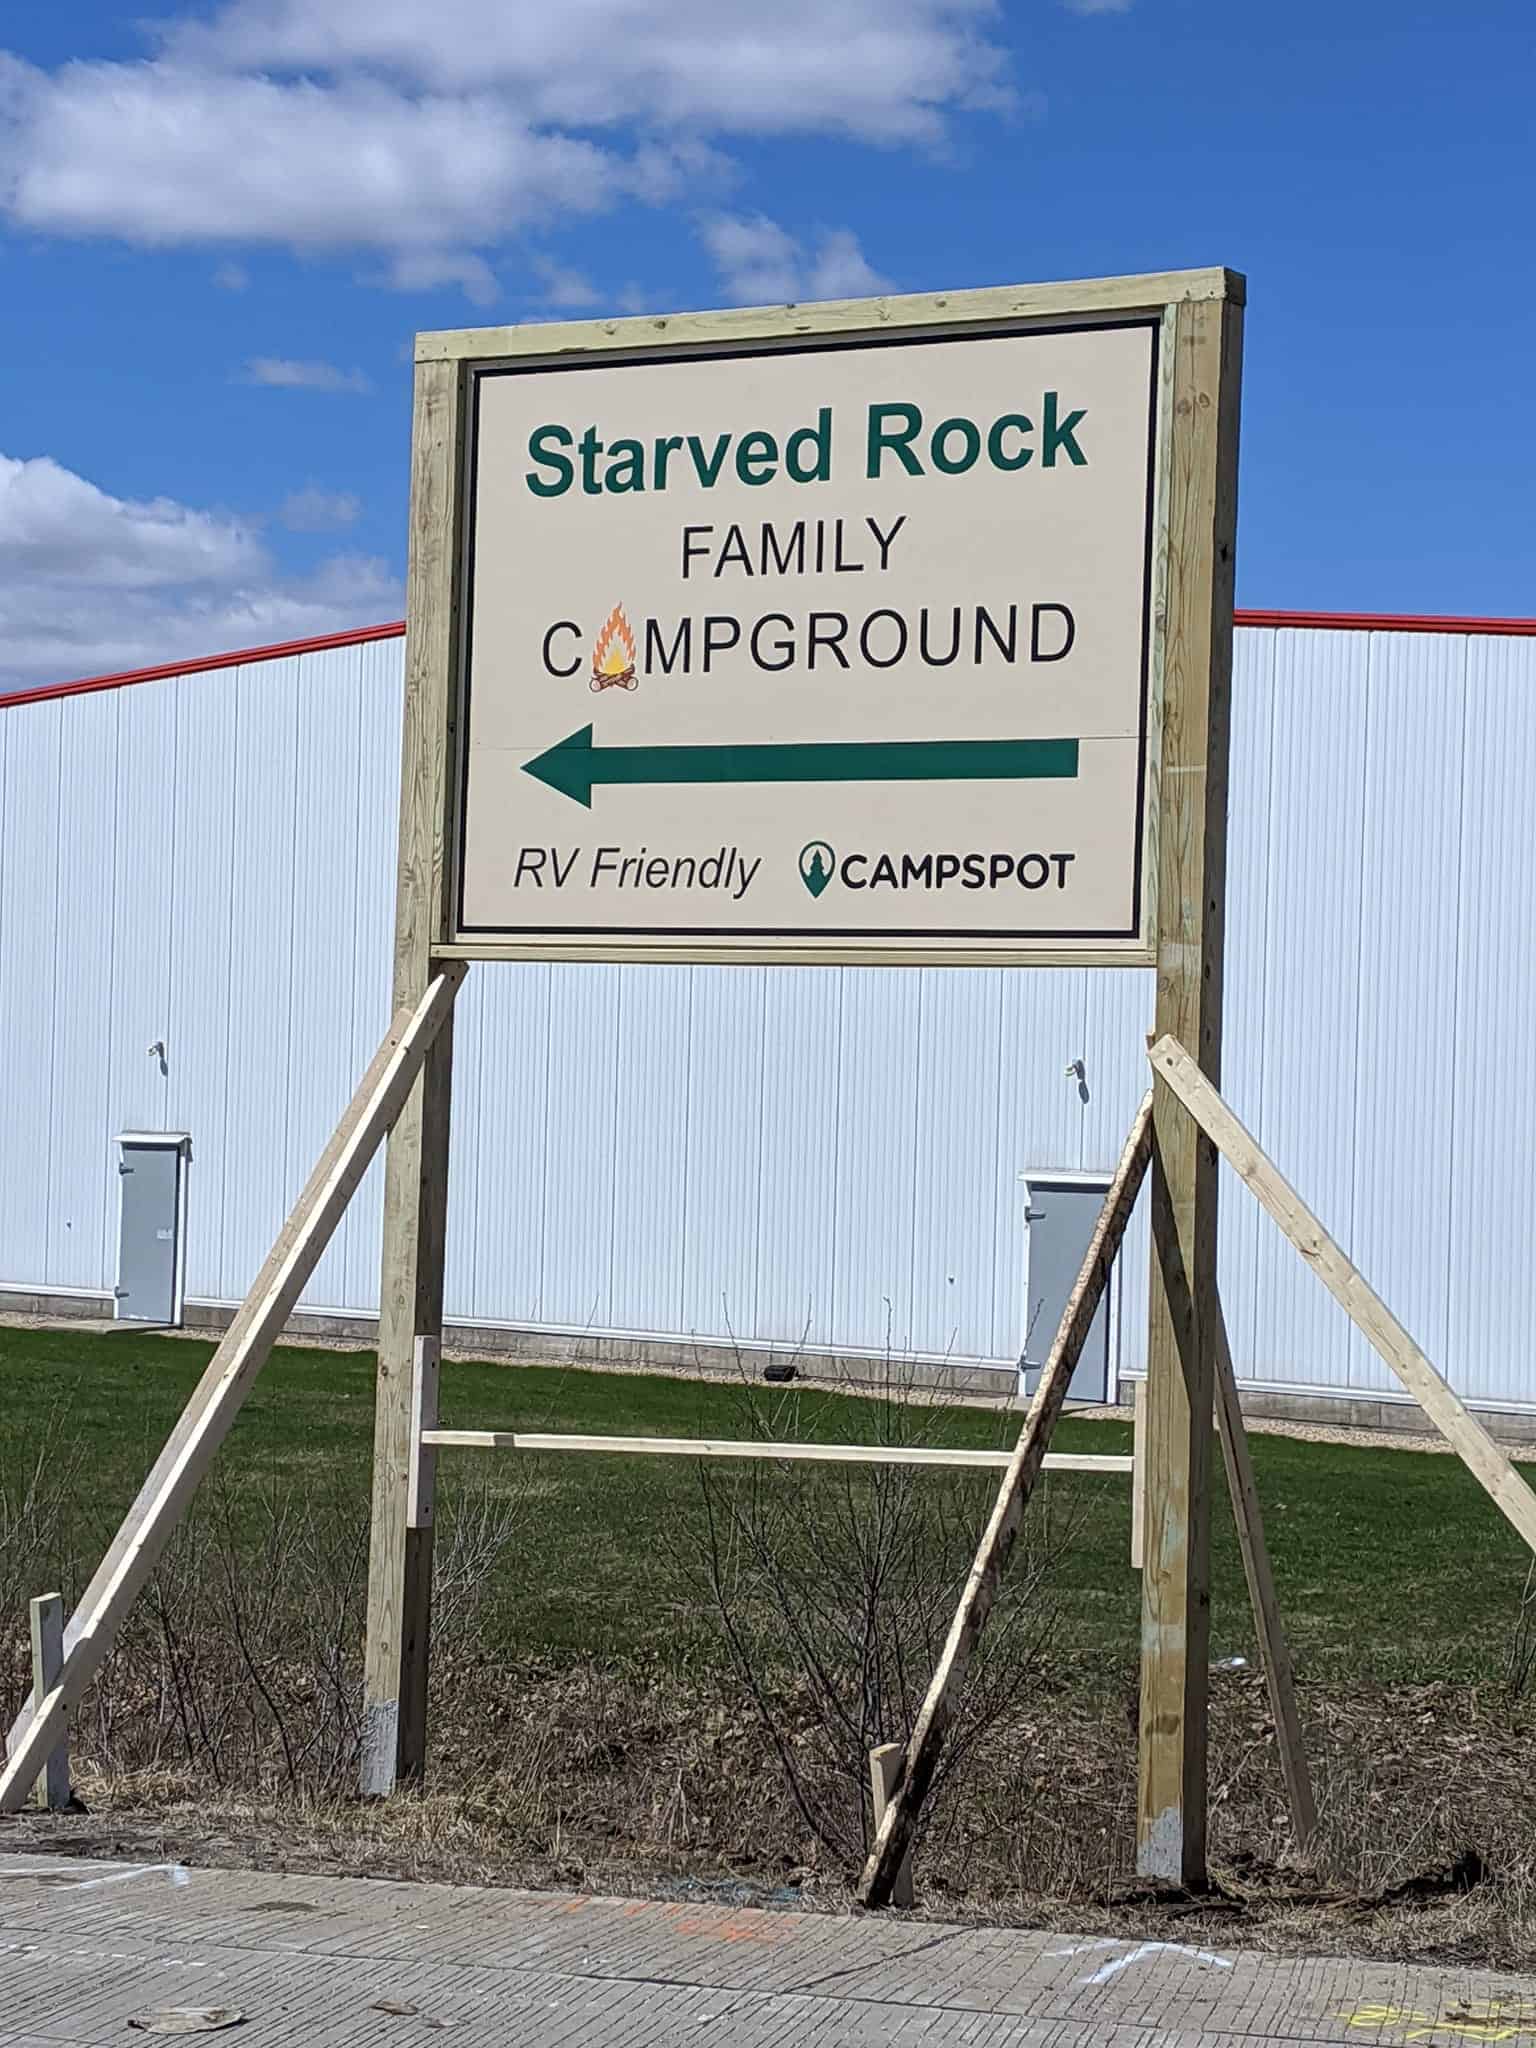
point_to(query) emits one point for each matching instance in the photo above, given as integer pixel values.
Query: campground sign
(888, 632)
(820, 645)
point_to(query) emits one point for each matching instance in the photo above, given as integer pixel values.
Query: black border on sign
(745, 934)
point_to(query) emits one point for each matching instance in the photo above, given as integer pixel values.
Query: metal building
(196, 880)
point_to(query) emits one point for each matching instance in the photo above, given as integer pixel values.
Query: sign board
(830, 644)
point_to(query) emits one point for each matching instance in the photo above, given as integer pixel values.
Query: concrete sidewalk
(345, 1963)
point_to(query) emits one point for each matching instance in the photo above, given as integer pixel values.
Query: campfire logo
(816, 864)
(613, 654)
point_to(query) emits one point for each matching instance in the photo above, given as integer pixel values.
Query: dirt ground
(651, 1794)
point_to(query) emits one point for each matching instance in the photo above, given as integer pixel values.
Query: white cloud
(563, 286)
(232, 277)
(51, 519)
(90, 582)
(761, 263)
(315, 511)
(1098, 6)
(758, 261)
(840, 270)
(158, 154)
(282, 373)
(427, 270)
(429, 131)
(881, 70)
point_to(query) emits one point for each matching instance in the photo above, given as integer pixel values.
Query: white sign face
(831, 650)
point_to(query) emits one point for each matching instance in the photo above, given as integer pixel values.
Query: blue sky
(219, 231)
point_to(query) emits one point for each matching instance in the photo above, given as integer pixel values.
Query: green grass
(1390, 1565)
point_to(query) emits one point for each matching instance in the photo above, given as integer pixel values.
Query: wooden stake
(1361, 1303)
(1192, 802)
(47, 1662)
(229, 1377)
(894, 1838)
(416, 1165)
(1279, 1675)
(884, 1775)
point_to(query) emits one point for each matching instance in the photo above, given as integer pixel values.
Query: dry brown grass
(646, 1781)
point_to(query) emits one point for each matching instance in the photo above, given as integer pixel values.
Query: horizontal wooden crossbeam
(729, 1447)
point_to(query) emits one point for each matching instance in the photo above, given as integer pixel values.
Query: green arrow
(576, 765)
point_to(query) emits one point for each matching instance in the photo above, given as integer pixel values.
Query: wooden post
(416, 1165)
(1192, 804)
(1279, 1675)
(1365, 1308)
(1138, 1473)
(884, 1776)
(47, 1663)
(228, 1378)
(894, 1837)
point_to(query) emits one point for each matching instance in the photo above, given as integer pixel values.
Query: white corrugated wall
(818, 1155)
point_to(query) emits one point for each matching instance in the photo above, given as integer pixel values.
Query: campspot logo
(816, 864)
(819, 865)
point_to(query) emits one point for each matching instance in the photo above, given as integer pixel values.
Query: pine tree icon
(815, 871)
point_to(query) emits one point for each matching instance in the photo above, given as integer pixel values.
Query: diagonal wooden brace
(894, 1838)
(1360, 1302)
(230, 1374)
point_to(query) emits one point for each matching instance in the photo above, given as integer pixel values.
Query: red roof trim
(1388, 622)
(393, 629)
(359, 636)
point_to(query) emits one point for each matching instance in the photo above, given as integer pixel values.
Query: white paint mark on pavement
(99, 1955)
(174, 1874)
(1144, 1949)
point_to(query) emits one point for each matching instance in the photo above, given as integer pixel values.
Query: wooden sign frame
(1199, 316)
(449, 367)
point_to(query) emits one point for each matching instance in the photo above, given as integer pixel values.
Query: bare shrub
(241, 1665)
(241, 1662)
(834, 1588)
(478, 1522)
(40, 1487)
(1520, 1659)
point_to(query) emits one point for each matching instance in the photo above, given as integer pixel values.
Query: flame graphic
(613, 655)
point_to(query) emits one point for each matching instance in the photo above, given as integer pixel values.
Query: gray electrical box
(1060, 1212)
(151, 1238)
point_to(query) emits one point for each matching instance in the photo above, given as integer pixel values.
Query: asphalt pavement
(93, 1954)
